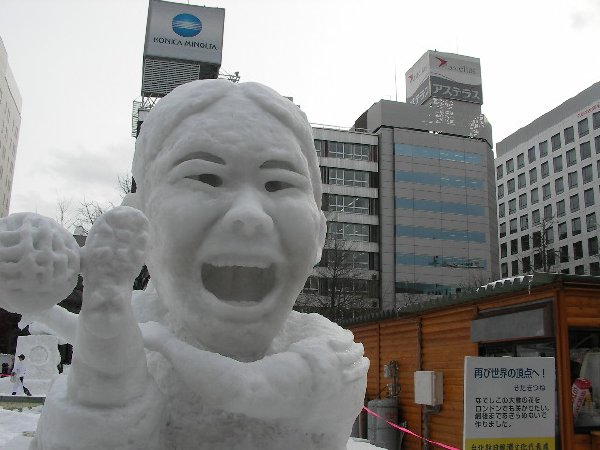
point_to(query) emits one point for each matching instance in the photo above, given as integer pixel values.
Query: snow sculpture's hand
(39, 263)
(155, 336)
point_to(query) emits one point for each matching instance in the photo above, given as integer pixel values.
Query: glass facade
(434, 153)
(460, 262)
(438, 180)
(440, 207)
(440, 233)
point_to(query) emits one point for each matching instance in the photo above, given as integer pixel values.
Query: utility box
(429, 387)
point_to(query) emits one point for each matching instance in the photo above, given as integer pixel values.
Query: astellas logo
(186, 25)
(443, 63)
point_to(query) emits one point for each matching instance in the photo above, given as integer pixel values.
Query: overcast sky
(78, 66)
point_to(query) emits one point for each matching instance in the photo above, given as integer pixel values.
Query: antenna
(396, 81)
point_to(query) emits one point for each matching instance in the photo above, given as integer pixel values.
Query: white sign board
(184, 32)
(509, 403)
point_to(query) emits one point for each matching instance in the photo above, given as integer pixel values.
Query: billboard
(184, 32)
(509, 403)
(444, 75)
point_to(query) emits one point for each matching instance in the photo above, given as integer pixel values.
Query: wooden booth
(543, 314)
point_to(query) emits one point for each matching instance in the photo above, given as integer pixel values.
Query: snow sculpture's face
(234, 226)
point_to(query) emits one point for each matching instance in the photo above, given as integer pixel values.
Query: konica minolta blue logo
(186, 25)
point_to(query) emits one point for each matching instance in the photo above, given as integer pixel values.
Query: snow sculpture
(228, 179)
(41, 355)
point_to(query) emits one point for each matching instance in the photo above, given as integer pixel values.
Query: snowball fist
(39, 263)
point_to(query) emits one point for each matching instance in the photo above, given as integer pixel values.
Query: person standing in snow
(18, 373)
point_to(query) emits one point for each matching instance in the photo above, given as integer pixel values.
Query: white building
(10, 122)
(547, 179)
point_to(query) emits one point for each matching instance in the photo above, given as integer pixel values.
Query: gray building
(10, 122)
(426, 203)
(547, 176)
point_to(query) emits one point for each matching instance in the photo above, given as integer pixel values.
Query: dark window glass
(532, 175)
(531, 154)
(522, 201)
(546, 192)
(564, 253)
(504, 270)
(535, 216)
(557, 163)
(562, 230)
(521, 180)
(548, 212)
(502, 229)
(501, 210)
(503, 251)
(535, 196)
(560, 208)
(520, 161)
(555, 140)
(576, 226)
(572, 180)
(571, 157)
(579, 270)
(511, 185)
(545, 169)
(515, 268)
(514, 246)
(543, 148)
(559, 186)
(596, 120)
(597, 143)
(585, 150)
(513, 226)
(524, 222)
(587, 174)
(512, 206)
(595, 269)
(593, 246)
(510, 166)
(500, 191)
(590, 221)
(574, 202)
(499, 171)
(525, 242)
(577, 250)
(549, 235)
(583, 127)
(569, 135)
(526, 262)
(588, 197)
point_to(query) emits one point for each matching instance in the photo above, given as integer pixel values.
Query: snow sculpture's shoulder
(147, 306)
(301, 326)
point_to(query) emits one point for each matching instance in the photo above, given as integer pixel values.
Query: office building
(10, 122)
(547, 176)
(411, 186)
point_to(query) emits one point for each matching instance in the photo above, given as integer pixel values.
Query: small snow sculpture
(228, 179)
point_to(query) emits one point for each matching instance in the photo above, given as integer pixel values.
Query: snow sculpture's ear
(133, 200)
(321, 236)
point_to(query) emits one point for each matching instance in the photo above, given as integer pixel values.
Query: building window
(499, 171)
(510, 166)
(535, 216)
(515, 268)
(569, 135)
(503, 250)
(543, 149)
(577, 250)
(575, 226)
(595, 269)
(535, 196)
(587, 174)
(596, 120)
(564, 253)
(512, 206)
(545, 169)
(583, 127)
(579, 270)
(348, 150)
(559, 186)
(522, 182)
(572, 180)
(562, 231)
(585, 150)
(590, 221)
(549, 233)
(531, 154)
(571, 157)
(513, 226)
(546, 192)
(502, 229)
(524, 222)
(345, 177)
(588, 197)
(597, 143)
(504, 270)
(574, 202)
(555, 140)
(547, 212)
(557, 163)
(525, 242)
(348, 231)
(560, 208)
(522, 201)
(348, 204)
(533, 176)
(500, 191)
(320, 148)
(510, 185)
(593, 246)
(526, 262)
(514, 246)
(501, 210)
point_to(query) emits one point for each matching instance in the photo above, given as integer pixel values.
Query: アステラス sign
(184, 32)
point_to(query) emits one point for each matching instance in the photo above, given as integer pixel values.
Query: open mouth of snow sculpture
(239, 284)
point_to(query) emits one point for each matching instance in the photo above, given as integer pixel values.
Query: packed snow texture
(227, 218)
(41, 356)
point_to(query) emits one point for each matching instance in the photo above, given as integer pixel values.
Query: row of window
(458, 262)
(593, 267)
(346, 150)
(540, 244)
(324, 286)
(523, 223)
(436, 153)
(348, 177)
(352, 231)
(583, 129)
(441, 180)
(465, 208)
(349, 204)
(349, 259)
(520, 182)
(440, 233)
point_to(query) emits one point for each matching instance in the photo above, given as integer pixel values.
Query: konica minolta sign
(184, 32)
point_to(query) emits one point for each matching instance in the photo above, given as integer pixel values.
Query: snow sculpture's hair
(197, 97)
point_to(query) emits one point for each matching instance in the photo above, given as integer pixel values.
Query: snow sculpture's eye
(207, 178)
(274, 186)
